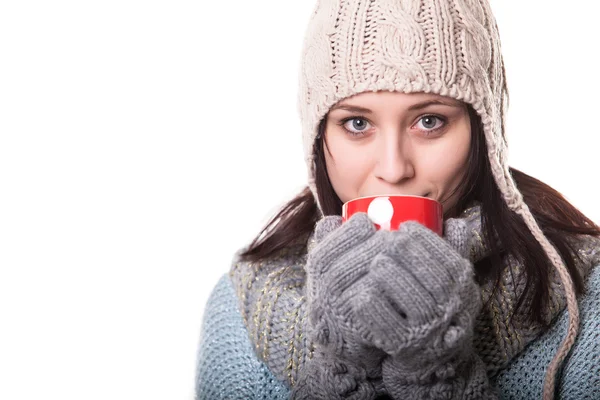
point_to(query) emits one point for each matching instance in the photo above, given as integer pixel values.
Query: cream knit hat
(450, 48)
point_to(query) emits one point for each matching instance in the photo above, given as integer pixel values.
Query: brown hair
(557, 218)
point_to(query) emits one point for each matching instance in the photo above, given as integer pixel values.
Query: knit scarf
(273, 304)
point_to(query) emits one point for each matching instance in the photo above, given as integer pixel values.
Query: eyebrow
(418, 106)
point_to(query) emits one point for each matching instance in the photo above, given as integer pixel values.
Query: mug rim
(390, 195)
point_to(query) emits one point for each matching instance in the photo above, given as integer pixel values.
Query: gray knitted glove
(419, 306)
(406, 297)
(335, 270)
(344, 366)
(419, 299)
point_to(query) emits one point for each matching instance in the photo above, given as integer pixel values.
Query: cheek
(348, 167)
(447, 163)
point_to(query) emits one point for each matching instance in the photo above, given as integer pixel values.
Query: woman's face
(385, 142)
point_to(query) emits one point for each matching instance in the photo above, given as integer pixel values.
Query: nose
(394, 162)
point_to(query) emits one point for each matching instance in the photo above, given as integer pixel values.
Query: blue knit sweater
(228, 367)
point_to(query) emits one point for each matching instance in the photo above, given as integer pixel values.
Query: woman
(408, 97)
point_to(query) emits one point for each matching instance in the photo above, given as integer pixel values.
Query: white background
(142, 143)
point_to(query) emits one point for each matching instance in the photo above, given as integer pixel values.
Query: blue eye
(430, 123)
(359, 126)
(355, 126)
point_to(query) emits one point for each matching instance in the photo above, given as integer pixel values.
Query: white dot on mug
(380, 211)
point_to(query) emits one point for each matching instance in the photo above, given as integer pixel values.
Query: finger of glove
(342, 279)
(325, 226)
(431, 259)
(404, 291)
(378, 321)
(349, 235)
(328, 278)
(428, 295)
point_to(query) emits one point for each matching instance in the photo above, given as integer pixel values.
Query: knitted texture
(331, 378)
(227, 367)
(272, 298)
(407, 293)
(498, 338)
(580, 377)
(455, 380)
(227, 361)
(448, 48)
(273, 308)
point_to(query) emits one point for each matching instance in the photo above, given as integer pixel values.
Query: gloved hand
(335, 270)
(407, 297)
(420, 307)
(343, 364)
(419, 298)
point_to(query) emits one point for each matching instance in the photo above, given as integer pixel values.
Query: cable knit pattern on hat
(448, 48)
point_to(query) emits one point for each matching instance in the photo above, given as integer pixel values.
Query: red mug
(388, 212)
